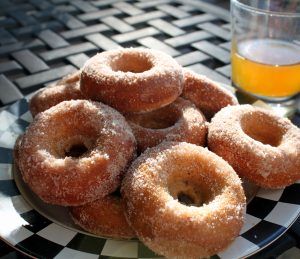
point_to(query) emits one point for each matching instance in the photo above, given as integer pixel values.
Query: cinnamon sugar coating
(67, 88)
(133, 79)
(16, 152)
(174, 171)
(62, 179)
(178, 121)
(208, 96)
(259, 145)
(103, 217)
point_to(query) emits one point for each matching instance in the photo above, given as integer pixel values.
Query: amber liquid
(267, 67)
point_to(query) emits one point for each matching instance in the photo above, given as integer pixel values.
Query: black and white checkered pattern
(269, 214)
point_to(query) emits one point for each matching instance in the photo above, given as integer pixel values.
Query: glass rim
(263, 11)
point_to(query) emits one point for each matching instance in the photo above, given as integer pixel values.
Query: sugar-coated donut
(16, 152)
(68, 88)
(205, 93)
(259, 145)
(178, 121)
(132, 79)
(183, 201)
(75, 152)
(103, 217)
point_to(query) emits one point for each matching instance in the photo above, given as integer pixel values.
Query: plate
(45, 231)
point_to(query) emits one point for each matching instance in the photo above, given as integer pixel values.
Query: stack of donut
(137, 146)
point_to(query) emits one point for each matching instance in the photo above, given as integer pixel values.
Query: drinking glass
(265, 53)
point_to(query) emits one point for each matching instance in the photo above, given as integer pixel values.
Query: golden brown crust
(132, 80)
(259, 145)
(151, 189)
(208, 96)
(16, 152)
(178, 121)
(103, 217)
(68, 88)
(66, 180)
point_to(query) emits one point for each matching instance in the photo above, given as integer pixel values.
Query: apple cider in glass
(267, 67)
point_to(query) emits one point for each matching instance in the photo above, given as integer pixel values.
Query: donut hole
(185, 199)
(129, 62)
(76, 150)
(75, 147)
(116, 193)
(159, 119)
(257, 126)
(189, 193)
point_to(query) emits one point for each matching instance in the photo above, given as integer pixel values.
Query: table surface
(43, 40)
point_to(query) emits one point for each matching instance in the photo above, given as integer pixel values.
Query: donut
(70, 78)
(103, 217)
(178, 121)
(258, 144)
(208, 96)
(75, 152)
(183, 201)
(132, 79)
(16, 151)
(68, 88)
